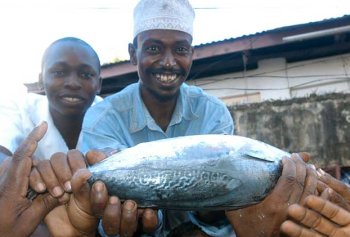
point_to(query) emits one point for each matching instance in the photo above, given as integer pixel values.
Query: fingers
(128, 225)
(49, 178)
(28, 146)
(112, 217)
(56, 174)
(79, 208)
(76, 160)
(99, 198)
(310, 218)
(5, 164)
(287, 179)
(310, 187)
(120, 219)
(285, 185)
(38, 209)
(336, 198)
(36, 182)
(294, 230)
(62, 170)
(300, 167)
(81, 189)
(321, 216)
(20, 166)
(338, 186)
(93, 157)
(321, 186)
(149, 220)
(326, 208)
(305, 156)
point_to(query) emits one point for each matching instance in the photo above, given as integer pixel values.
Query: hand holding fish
(64, 171)
(55, 175)
(338, 192)
(296, 182)
(319, 218)
(79, 217)
(118, 218)
(20, 216)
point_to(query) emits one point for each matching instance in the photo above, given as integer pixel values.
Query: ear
(132, 54)
(192, 51)
(41, 82)
(99, 86)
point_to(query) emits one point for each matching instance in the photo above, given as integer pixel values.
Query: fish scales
(206, 172)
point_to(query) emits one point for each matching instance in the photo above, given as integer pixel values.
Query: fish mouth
(167, 78)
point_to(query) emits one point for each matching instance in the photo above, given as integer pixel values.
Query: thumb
(29, 145)
(39, 208)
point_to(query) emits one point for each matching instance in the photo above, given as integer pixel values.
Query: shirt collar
(141, 118)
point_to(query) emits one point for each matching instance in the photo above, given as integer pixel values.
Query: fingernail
(330, 191)
(99, 186)
(68, 186)
(113, 200)
(320, 172)
(57, 191)
(41, 187)
(129, 205)
(312, 166)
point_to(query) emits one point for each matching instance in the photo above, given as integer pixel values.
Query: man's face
(71, 77)
(164, 59)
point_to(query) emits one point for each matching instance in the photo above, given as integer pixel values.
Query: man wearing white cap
(161, 105)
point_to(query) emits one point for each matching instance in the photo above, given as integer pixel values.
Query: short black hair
(70, 39)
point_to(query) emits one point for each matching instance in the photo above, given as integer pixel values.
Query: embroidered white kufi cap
(164, 15)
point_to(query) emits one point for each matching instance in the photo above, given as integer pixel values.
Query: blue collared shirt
(122, 120)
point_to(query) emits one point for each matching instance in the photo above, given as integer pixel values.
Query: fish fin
(257, 155)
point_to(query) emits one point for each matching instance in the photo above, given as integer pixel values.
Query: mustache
(163, 70)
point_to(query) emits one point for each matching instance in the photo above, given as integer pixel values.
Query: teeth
(166, 77)
(71, 99)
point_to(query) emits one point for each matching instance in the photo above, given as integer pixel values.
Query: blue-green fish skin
(199, 172)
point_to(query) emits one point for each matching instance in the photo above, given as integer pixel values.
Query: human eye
(58, 73)
(182, 49)
(152, 49)
(86, 75)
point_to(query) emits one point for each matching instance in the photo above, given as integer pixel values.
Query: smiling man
(161, 105)
(70, 76)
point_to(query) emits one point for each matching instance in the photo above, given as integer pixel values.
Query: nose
(72, 81)
(168, 61)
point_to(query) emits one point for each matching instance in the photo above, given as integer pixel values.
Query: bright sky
(29, 26)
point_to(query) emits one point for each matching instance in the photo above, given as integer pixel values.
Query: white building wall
(276, 79)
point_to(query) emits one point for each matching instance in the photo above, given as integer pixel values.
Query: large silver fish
(211, 172)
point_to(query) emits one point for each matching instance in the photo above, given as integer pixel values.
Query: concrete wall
(277, 79)
(316, 124)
